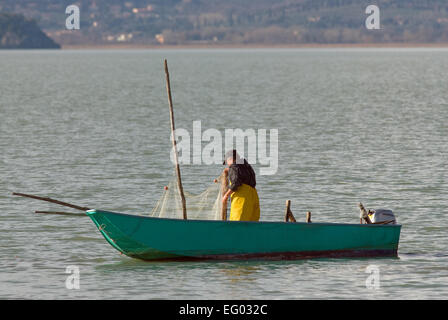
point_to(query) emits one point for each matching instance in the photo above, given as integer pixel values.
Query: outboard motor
(382, 216)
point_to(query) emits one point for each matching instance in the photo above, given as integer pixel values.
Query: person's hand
(224, 199)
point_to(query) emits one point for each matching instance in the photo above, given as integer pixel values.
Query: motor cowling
(384, 216)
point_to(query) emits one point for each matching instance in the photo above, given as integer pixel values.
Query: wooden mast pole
(173, 140)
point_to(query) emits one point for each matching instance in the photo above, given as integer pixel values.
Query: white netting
(204, 206)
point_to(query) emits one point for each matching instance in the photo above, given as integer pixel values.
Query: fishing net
(204, 206)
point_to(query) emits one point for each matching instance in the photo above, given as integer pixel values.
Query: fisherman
(245, 205)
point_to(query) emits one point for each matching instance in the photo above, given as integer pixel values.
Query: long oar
(62, 213)
(61, 203)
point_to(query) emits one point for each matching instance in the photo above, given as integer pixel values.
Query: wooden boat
(149, 238)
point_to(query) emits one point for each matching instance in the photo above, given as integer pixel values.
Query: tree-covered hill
(18, 32)
(238, 21)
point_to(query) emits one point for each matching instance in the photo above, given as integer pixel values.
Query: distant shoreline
(257, 46)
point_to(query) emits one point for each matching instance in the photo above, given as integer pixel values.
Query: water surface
(92, 128)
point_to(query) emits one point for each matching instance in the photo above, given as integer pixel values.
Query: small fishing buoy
(215, 181)
(165, 187)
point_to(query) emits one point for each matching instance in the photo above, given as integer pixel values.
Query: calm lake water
(92, 128)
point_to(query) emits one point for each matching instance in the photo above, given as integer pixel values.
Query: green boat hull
(150, 238)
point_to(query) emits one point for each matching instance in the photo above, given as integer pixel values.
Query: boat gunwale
(93, 211)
